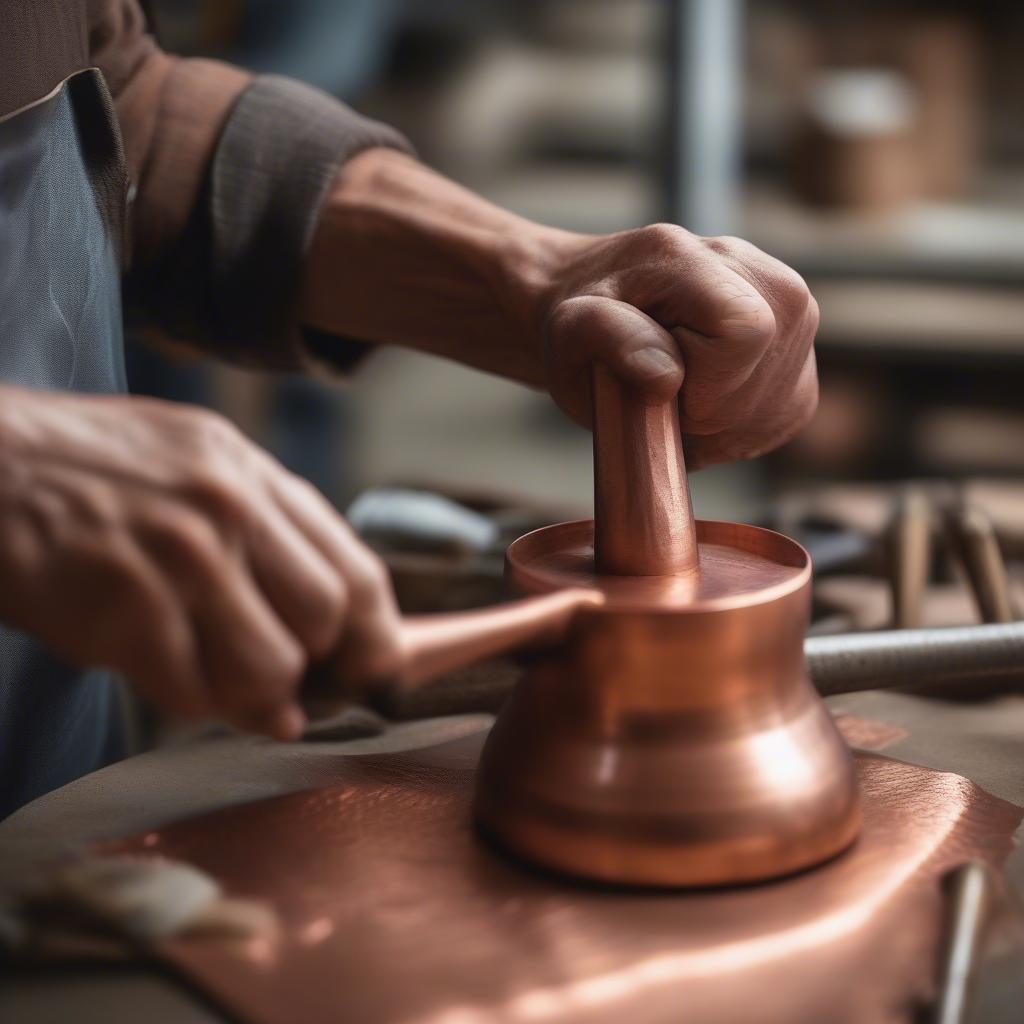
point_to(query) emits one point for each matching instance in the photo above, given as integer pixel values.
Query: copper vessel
(673, 736)
(673, 741)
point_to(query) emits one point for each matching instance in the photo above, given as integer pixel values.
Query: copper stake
(642, 513)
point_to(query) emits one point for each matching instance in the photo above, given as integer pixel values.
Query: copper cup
(672, 741)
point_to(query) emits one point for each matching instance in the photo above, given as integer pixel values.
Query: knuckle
(663, 236)
(182, 537)
(812, 315)
(284, 669)
(324, 623)
(212, 437)
(573, 312)
(723, 245)
(748, 316)
(791, 291)
(217, 494)
(307, 491)
(273, 678)
(213, 426)
(370, 581)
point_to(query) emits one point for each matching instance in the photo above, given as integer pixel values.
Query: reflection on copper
(430, 925)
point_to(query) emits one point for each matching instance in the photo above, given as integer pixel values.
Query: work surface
(984, 742)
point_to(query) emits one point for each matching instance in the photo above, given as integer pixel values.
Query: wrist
(531, 265)
(401, 255)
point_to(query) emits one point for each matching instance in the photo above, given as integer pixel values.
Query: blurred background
(876, 147)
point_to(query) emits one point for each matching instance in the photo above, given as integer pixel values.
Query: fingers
(727, 325)
(249, 661)
(722, 348)
(765, 423)
(304, 588)
(370, 643)
(111, 606)
(635, 347)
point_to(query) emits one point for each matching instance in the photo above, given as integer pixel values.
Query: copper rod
(642, 513)
(930, 659)
(433, 645)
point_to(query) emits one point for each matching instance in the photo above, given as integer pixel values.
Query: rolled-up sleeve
(229, 175)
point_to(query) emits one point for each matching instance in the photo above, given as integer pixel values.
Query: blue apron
(63, 203)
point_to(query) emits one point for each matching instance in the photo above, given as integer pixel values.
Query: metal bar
(921, 658)
(705, 114)
(970, 900)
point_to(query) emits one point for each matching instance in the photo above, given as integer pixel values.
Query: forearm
(402, 255)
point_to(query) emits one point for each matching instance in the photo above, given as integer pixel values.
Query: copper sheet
(867, 733)
(393, 910)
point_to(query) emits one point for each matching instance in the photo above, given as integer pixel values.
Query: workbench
(983, 741)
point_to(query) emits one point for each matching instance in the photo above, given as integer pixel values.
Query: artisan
(268, 224)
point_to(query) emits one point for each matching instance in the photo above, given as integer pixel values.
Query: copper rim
(769, 566)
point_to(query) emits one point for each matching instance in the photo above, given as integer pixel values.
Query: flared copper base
(675, 738)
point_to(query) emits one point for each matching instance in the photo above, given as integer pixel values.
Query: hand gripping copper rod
(643, 520)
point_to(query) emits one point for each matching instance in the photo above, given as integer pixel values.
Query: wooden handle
(910, 541)
(643, 520)
(974, 540)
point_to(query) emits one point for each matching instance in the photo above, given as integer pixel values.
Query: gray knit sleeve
(279, 151)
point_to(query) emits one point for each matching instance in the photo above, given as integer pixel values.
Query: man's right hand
(156, 540)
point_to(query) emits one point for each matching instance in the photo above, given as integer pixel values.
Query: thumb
(592, 328)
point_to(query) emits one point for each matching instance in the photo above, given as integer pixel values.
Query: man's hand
(404, 256)
(156, 540)
(727, 327)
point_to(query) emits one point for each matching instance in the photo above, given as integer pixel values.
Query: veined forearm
(404, 256)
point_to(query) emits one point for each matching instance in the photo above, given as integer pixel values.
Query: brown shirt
(228, 170)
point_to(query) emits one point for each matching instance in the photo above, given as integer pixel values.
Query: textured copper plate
(392, 909)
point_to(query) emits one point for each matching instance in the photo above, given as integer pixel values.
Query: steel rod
(931, 659)
(970, 900)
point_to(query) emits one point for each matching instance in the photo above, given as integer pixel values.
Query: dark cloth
(200, 181)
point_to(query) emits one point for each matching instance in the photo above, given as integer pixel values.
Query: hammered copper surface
(393, 910)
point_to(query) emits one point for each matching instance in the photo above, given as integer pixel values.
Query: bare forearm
(404, 256)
